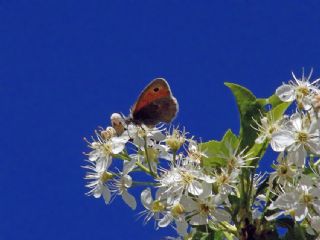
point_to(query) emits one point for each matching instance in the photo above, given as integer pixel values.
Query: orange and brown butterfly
(154, 105)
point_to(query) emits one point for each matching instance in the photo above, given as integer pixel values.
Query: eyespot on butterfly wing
(155, 104)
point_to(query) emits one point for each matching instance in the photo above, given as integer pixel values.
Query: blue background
(66, 65)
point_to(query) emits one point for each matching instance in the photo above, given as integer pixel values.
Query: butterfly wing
(160, 110)
(155, 104)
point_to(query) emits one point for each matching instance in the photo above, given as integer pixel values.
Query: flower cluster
(183, 189)
(212, 190)
(295, 181)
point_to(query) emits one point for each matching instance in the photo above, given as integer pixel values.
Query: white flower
(98, 183)
(195, 153)
(174, 213)
(153, 208)
(151, 155)
(175, 139)
(300, 90)
(119, 186)
(298, 136)
(297, 201)
(104, 149)
(201, 211)
(266, 128)
(189, 178)
(139, 134)
(226, 181)
(285, 171)
(235, 159)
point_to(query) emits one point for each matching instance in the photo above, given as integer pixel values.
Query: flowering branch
(213, 190)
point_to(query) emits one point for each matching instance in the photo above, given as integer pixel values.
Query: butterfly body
(155, 104)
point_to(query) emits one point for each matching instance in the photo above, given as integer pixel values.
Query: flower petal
(129, 199)
(188, 204)
(195, 188)
(165, 221)
(301, 212)
(286, 93)
(199, 220)
(146, 198)
(221, 215)
(281, 139)
(106, 195)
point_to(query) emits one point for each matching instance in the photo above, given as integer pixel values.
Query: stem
(174, 156)
(226, 228)
(251, 185)
(242, 190)
(143, 168)
(138, 183)
(147, 157)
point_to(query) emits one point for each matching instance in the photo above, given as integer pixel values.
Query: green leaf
(257, 151)
(273, 100)
(278, 111)
(215, 149)
(202, 234)
(249, 108)
(229, 141)
(219, 235)
(212, 149)
(228, 236)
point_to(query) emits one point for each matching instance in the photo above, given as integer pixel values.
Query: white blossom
(297, 137)
(297, 201)
(202, 211)
(189, 178)
(120, 186)
(301, 90)
(98, 183)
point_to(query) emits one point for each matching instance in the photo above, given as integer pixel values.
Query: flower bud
(152, 154)
(117, 122)
(157, 206)
(175, 140)
(177, 210)
(195, 153)
(106, 176)
(108, 133)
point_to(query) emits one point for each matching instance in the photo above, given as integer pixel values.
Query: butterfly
(155, 104)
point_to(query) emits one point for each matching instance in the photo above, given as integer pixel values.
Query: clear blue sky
(66, 65)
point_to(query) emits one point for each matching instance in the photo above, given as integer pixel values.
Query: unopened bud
(157, 206)
(108, 133)
(117, 122)
(106, 176)
(175, 140)
(177, 210)
(195, 153)
(153, 154)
